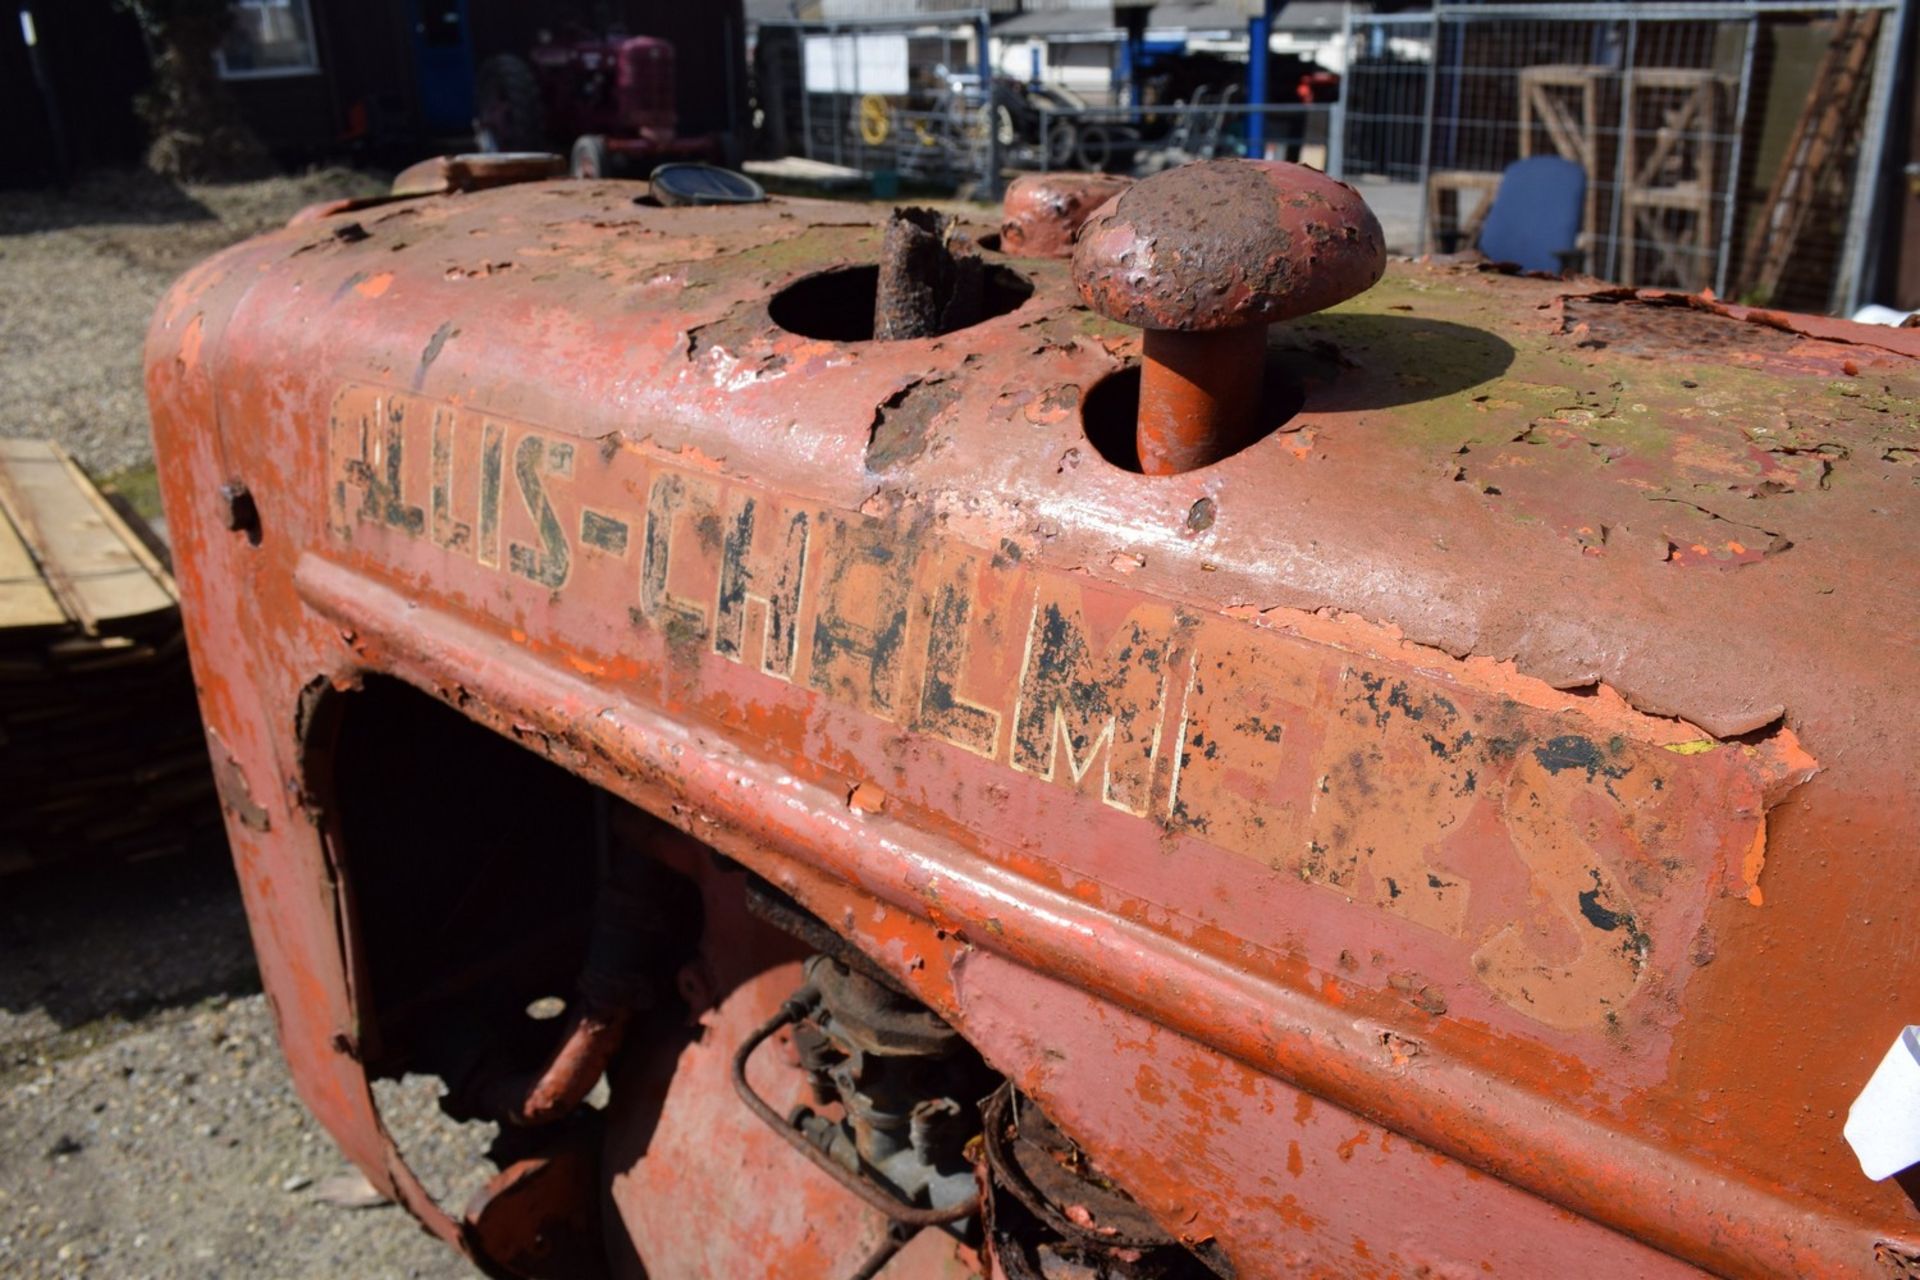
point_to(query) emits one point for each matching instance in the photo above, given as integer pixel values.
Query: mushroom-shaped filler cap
(1226, 244)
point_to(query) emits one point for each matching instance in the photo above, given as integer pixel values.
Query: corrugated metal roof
(831, 9)
(1207, 15)
(1298, 15)
(1038, 17)
(1061, 6)
(1058, 22)
(781, 10)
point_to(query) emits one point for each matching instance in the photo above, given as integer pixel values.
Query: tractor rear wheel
(1093, 149)
(508, 115)
(1063, 141)
(590, 158)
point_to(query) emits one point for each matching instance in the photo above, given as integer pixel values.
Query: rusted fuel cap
(1041, 212)
(1204, 258)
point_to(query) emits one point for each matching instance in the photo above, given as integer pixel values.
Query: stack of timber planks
(101, 751)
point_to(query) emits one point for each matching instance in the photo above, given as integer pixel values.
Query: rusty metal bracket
(792, 1010)
(624, 954)
(898, 1236)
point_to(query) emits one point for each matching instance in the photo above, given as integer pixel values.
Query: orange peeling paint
(374, 286)
(1355, 634)
(190, 342)
(1750, 866)
(1290, 1211)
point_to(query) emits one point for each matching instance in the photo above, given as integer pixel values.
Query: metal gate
(1731, 146)
(881, 94)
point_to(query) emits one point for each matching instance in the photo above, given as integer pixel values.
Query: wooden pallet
(1445, 212)
(67, 558)
(1669, 130)
(101, 752)
(1565, 101)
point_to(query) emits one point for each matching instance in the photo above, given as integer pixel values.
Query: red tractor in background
(612, 94)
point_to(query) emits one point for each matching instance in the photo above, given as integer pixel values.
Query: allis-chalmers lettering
(1568, 861)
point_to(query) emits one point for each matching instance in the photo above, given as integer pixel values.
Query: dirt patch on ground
(80, 274)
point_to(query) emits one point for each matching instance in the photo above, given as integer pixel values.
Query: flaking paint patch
(903, 425)
(435, 346)
(1754, 862)
(1611, 709)
(190, 341)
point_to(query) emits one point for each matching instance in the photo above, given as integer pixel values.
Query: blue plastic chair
(1535, 218)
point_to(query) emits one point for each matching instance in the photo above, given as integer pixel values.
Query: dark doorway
(443, 64)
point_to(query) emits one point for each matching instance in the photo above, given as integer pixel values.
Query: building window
(269, 38)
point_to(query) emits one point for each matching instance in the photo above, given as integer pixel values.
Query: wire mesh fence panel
(875, 97)
(1388, 69)
(1145, 140)
(1717, 146)
(1084, 64)
(907, 99)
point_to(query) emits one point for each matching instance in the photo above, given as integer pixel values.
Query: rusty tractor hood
(1693, 505)
(1643, 556)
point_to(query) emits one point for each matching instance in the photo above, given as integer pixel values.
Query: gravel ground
(147, 1123)
(80, 274)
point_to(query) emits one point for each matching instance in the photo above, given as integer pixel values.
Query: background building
(387, 80)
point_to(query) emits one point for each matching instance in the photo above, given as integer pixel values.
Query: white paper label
(1883, 1125)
